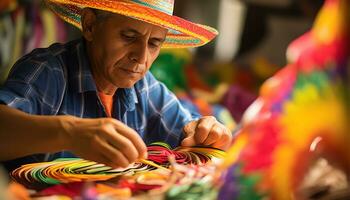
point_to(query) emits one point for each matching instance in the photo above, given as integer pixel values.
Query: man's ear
(88, 19)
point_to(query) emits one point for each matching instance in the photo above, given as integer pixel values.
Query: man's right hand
(103, 140)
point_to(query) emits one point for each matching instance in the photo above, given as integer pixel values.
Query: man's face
(123, 49)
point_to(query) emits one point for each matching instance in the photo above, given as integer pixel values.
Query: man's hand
(104, 140)
(207, 131)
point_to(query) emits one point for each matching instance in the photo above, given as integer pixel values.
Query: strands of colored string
(38, 175)
(160, 153)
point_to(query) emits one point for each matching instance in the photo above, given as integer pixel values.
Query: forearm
(22, 134)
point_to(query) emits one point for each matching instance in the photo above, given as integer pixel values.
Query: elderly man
(94, 96)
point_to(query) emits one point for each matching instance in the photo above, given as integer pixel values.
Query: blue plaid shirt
(58, 81)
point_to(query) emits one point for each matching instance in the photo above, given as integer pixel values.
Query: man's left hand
(207, 131)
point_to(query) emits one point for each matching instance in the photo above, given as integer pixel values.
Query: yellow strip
(148, 162)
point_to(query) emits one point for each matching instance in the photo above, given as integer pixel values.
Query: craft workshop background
(288, 147)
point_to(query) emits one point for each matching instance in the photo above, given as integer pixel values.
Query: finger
(113, 156)
(189, 141)
(120, 143)
(203, 128)
(190, 128)
(225, 140)
(133, 136)
(119, 161)
(214, 135)
(128, 133)
(114, 164)
(98, 158)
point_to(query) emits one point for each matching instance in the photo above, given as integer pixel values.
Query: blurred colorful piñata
(294, 141)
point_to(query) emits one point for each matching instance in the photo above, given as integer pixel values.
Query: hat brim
(182, 33)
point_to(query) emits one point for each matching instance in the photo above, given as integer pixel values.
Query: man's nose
(139, 54)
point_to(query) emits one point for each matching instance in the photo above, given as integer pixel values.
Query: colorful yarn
(67, 170)
(182, 33)
(185, 181)
(301, 115)
(160, 153)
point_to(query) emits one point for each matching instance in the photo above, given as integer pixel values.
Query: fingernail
(145, 155)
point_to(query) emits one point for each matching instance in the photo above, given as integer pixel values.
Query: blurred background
(221, 78)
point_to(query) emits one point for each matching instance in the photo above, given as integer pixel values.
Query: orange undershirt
(107, 101)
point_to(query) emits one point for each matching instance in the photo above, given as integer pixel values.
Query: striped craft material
(68, 170)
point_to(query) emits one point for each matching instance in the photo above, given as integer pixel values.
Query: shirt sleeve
(34, 86)
(167, 115)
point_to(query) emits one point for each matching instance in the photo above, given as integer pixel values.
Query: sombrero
(182, 33)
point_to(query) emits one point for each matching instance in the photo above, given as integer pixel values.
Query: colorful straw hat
(182, 33)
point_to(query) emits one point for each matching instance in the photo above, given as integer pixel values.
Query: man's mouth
(130, 71)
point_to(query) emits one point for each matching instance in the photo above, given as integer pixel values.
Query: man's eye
(128, 37)
(155, 44)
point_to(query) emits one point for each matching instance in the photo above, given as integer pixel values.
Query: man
(94, 96)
